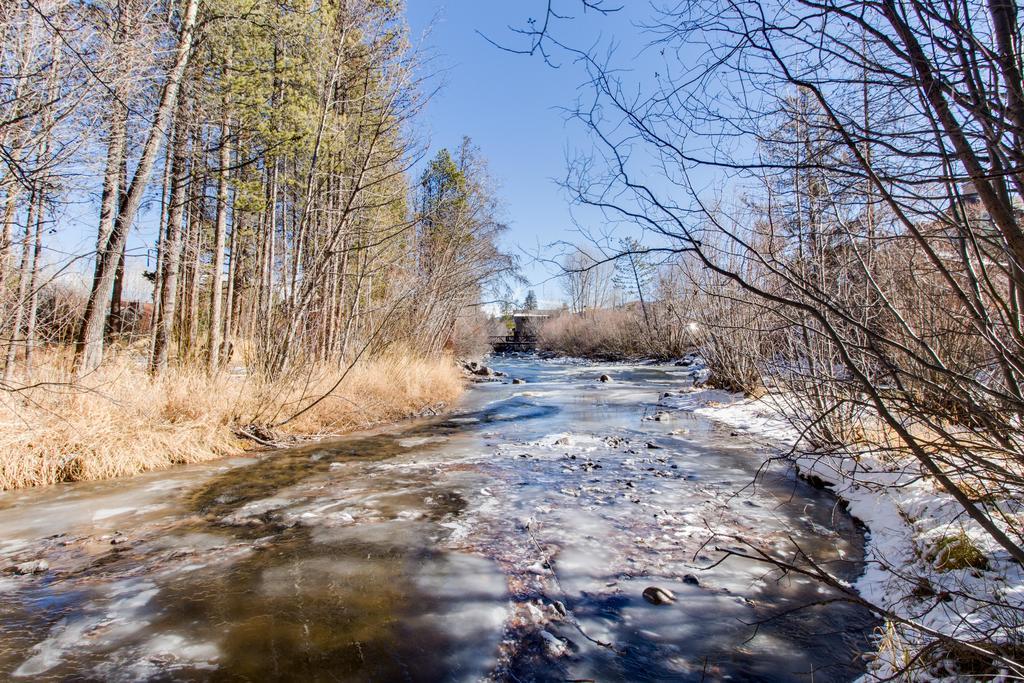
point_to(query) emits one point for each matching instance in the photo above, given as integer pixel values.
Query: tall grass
(119, 420)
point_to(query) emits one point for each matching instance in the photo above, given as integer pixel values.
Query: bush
(606, 334)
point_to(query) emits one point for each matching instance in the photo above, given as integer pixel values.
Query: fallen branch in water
(567, 612)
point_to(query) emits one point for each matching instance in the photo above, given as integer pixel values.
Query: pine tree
(634, 270)
(634, 273)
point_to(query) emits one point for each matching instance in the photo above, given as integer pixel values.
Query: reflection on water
(512, 541)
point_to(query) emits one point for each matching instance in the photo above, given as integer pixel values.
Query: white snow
(905, 514)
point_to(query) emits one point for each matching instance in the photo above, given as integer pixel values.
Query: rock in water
(483, 371)
(691, 580)
(32, 567)
(555, 646)
(659, 596)
(604, 378)
(519, 381)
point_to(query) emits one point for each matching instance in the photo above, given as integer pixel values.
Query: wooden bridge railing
(510, 343)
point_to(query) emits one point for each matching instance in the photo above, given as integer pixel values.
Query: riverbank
(120, 420)
(925, 563)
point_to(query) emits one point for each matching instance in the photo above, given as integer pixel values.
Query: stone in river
(604, 378)
(31, 567)
(659, 596)
(691, 580)
(519, 381)
(555, 646)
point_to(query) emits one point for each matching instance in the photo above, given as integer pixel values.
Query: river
(511, 540)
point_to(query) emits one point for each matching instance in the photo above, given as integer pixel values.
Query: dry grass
(951, 553)
(120, 421)
(380, 390)
(609, 334)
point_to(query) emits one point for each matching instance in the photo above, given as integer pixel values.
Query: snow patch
(905, 514)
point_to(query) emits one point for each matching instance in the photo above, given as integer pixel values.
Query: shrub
(607, 334)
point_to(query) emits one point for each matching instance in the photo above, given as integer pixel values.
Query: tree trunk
(33, 288)
(19, 305)
(271, 230)
(115, 317)
(5, 238)
(230, 305)
(158, 274)
(89, 346)
(195, 258)
(171, 245)
(213, 351)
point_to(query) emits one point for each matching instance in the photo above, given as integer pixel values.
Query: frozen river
(512, 540)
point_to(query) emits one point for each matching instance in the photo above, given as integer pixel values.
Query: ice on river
(511, 541)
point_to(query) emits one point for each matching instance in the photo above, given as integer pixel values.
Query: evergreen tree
(634, 273)
(634, 270)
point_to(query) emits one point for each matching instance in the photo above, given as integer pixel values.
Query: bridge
(525, 332)
(510, 343)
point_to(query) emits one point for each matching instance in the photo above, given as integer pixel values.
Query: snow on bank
(908, 517)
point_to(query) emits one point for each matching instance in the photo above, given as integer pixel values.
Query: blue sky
(509, 105)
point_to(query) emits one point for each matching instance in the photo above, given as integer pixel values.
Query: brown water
(510, 541)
